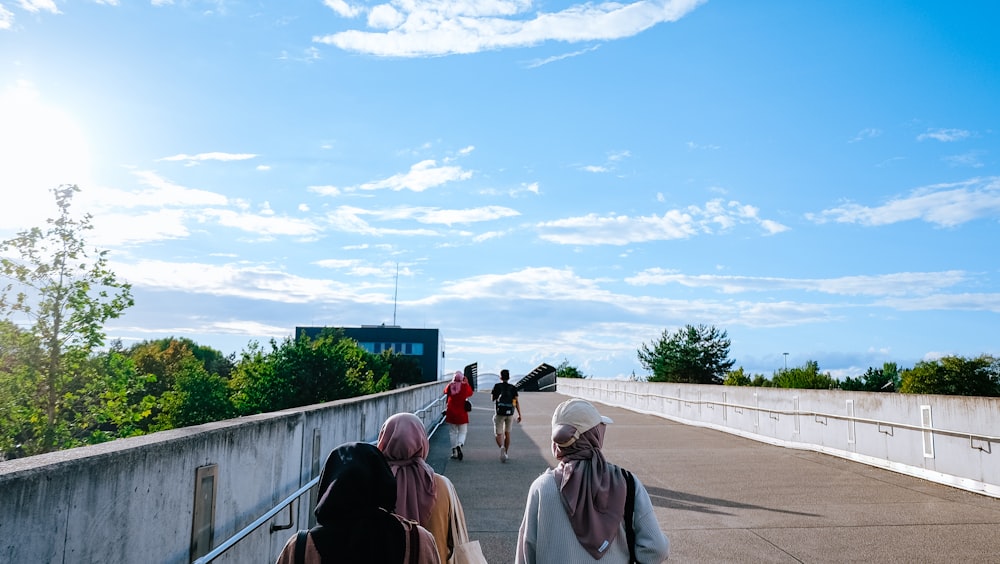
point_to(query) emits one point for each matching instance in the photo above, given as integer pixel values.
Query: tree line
(700, 355)
(61, 387)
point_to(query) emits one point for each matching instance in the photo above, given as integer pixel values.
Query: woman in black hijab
(354, 512)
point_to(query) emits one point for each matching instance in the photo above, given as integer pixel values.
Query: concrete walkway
(723, 498)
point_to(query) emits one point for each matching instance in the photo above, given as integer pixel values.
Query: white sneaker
(503, 454)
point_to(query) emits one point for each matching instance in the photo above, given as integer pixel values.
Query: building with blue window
(425, 345)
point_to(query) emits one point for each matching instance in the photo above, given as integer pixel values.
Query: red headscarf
(403, 441)
(456, 384)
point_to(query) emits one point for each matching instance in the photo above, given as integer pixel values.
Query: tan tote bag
(466, 551)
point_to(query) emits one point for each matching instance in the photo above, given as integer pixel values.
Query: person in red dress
(455, 414)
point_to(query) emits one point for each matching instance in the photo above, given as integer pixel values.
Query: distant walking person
(587, 509)
(455, 413)
(505, 397)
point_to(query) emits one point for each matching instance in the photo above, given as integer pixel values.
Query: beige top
(438, 520)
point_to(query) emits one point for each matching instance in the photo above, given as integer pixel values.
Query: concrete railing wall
(952, 440)
(132, 500)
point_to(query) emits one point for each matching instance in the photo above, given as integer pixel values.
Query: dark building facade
(426, 345)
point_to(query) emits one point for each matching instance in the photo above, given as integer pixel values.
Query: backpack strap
(300, 546)
(630, 514)
(414, 544)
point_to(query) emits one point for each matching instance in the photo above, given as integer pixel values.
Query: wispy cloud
(610, 163)
(895, 284)
(540, 62)
(251, 281)
(429, 215)
(264, 224)
(613, 229)
(6, 18)
(972, 159)
(421, 176)
(216, 156)
(944, 135)
(35, 6)
(419, 28)
(702, 147)
(867, 133)
(350, 219)
(946, 205)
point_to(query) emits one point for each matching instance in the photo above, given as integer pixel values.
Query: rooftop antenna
(395, 292)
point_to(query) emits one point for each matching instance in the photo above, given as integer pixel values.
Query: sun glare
(41, 147)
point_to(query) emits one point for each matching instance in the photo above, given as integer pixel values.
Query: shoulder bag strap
(300, 546)
(630, 514)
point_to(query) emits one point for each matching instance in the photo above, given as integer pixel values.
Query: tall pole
(395, 292)
(786, 361)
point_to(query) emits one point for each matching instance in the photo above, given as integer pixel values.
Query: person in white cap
(587, 509)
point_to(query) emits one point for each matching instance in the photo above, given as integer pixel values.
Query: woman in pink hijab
(421, 494)
(455, 414)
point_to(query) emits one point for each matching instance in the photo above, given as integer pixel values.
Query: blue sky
(551, 181)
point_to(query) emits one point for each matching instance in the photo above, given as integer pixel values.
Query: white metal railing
(258, 522)
(769, 411)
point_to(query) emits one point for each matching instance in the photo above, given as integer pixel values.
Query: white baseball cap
(572, 418)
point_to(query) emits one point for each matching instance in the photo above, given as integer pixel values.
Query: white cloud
(125, 229)
(540, 62)
(342, 8)
(944, 135)
(35, 6)
(250, 281)
(946, 205)
(616, 229)
(435, 27)
(971, 159)
(896, 284)
(946, 302)
(325, 190)
(384, 16)
(6, 18)
(421, 176)
(215, 156)
(349, 220)
(264, 223)
(867, 133)
(162, 193)
(699, 147)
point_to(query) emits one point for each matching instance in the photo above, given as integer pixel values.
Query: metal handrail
(257, 523)
(977, 436)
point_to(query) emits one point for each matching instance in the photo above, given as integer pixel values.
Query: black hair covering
(358, 494)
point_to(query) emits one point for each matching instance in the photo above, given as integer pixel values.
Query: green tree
(118, 401)
(403, 370)
(195, 396)
(807, 377)
(885, 379)
(565, 370)
(304, 371)
(954, 375)
(737, 377)
(21, 418)
(63, 295)
(693, 355)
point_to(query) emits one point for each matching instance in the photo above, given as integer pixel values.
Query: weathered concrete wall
(960, 446)
(132, 500)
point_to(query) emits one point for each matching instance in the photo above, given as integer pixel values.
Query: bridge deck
(723, 498)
